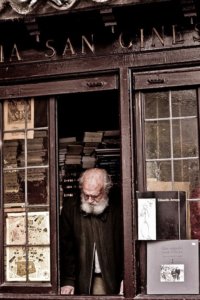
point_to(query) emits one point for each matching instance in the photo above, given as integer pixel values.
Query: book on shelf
(111, 139)
(92, 136)
(88, 161)
(67, 140)
(173, 267)
(77, 154)
(74, 149)
(111, 133)
(107, 151)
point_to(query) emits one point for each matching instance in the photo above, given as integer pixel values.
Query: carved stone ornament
(62, 4)
(100, 1)
(20, 6)
(27, 6)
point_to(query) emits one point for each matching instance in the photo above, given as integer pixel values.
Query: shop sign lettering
(156, 38)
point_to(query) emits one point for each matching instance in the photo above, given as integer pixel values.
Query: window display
(26, 195)
(161, 215)
(171, 144)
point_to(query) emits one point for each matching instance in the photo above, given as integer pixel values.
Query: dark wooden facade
(123, 46)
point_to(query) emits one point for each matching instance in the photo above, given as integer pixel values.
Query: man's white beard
(96, 209)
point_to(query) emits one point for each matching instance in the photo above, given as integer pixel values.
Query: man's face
(93, 196)
(94, 200)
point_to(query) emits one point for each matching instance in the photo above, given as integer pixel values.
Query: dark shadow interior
(94, 111)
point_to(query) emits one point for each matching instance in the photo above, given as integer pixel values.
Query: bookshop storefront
(109, 84)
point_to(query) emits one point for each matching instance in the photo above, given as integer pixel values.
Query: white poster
(31, 263)
(37, 224)
(146, 218)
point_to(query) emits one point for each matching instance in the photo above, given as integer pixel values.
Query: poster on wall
(37, 224)
(33, 267)
(18, 116)
(27, 246)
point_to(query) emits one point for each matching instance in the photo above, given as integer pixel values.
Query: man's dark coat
(80, 233)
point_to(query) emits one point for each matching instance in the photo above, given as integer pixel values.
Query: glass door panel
(26, 190)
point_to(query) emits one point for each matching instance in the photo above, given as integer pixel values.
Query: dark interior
(94, 111)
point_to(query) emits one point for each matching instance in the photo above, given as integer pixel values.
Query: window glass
(185, 142)
(171, 147)
(26, 191)
(184, 103)
(157, 137)
(156, 105)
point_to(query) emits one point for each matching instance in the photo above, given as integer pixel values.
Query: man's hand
(67, 290)
(121, 292)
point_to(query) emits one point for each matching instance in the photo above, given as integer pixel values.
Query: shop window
(26, 202)
(171, 141)
(172, 145)
(36, 185)
(168, 183)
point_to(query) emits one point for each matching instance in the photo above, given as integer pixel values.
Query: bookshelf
(95, 149)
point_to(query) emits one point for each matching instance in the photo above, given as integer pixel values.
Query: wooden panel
(89, 84)
(129, 259)
(176, 78)
(38, 70)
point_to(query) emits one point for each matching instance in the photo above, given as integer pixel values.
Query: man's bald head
(95, 178)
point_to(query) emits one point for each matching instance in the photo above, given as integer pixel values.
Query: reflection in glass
(184, 103)
(157, 135)
(159, 175)
(185, 138)
(156, 105)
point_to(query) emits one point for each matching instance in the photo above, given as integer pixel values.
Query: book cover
(161, 215)
(173, 267)
(147, 219)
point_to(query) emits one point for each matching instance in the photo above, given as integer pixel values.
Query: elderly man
(91, 241)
